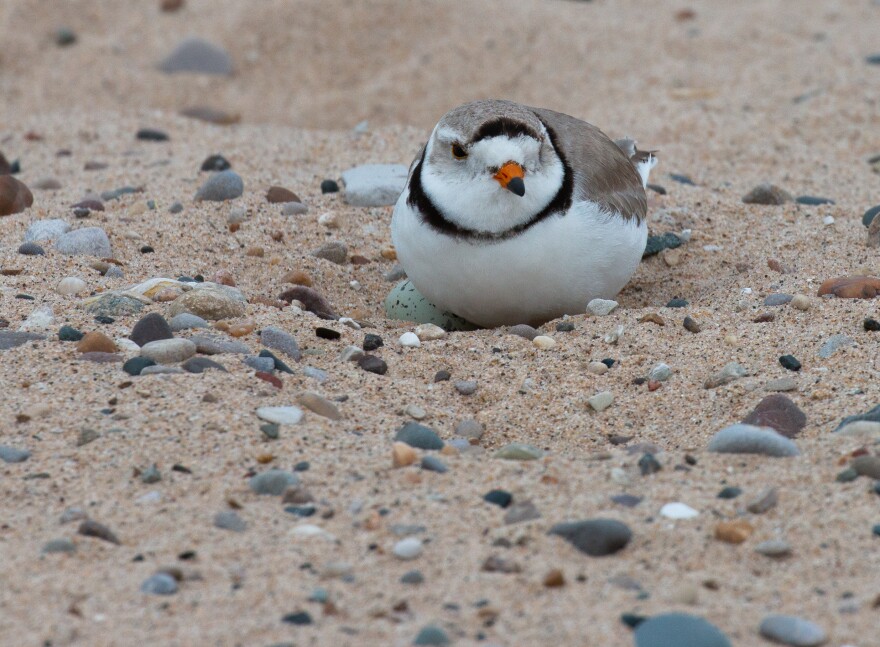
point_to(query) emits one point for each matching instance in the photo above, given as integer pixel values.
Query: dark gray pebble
(813, 201)
(868, 216)
(501, 498)
(201, 364)
(90, 528)
(152, 327)
(434, 464)
(159, 584)
(216, 163)
(677, 303)
(31, 249)
(594, 537)
(373, 364)
(790, 362)
(152, 135)
(657, 244)
(136, 365)
(329, 186)
(418, 436)
(372, 342)
(682, 179)
(431, 635)
(730, 492)
(297, 618)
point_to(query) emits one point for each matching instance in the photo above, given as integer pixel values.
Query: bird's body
(520, 215)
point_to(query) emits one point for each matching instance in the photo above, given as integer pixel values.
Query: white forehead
(447, 134)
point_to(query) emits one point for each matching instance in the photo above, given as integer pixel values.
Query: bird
(520, 215)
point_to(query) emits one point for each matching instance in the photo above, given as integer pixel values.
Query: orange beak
(510, 176)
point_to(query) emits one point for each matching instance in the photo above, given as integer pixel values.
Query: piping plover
(514, 214)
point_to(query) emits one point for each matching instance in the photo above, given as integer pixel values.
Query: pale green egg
(406, 303)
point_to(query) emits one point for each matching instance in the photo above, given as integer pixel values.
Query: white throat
(473, 200)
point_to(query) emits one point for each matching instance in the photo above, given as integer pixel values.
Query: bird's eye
(458, 152)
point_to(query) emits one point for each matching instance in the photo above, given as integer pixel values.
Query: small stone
(280, 340)
(813, 201)
(501, 498)
(222, 186)
(273, 482)
(626, 500)
(168, 351)
(790, 362)
(851, 287)
(299, 618)
(782, 384)
(319, 405)
(734, 532)
(31, 249)
(553, 579)
(767, 194)
(159, 584)
(833, 344)
(229, 520)
(521, 511)
(152, 135)
(726, 375)
(780, 413)
(409, 548)
(96, 342)
(730, 492)
(418, 436)
(748, 439)
(90, 528)
(373, 364)
(402, 454)
(298, 209)
(601, 307)
(201, 364)
(13, 454)
(678, 510)
(431, 635)
(866, 465)
(466, 387)
(660, 373)
(657, 244)
(871, 420)
(197, 56)
(185, 321)
(442, 376)
(334, 251)
(89, 241)
(409, 340)
(434, 464)
(594, 537)
(519, 452)
(676, 303)
(69, 333)
(329, 186)
(869, 215)
(278, 194)
(691, 325)
(15, 197)
(136, 365)
(374, 185)
(679, 630)
(597, 368)
(565, 326)
(648, 464)
(543, 342)
(525, 331)
(59, 546)
(470, 429)
(280, 415)
(765, 501)
(778, 299)
(774, 548)
(215, 163)
(792, 630)
(428, 332)
(871, 325)
(70, 286)
(210, 303)
(601, 401)
(412, 577)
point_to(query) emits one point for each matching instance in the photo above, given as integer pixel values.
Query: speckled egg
(406, 303)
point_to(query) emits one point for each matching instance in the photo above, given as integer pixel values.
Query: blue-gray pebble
(749, 439)
(679, 630)
(419, 436)
(225, 185)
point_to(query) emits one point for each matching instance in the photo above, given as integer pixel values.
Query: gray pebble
(47, 229)
(726, 375)
(434, 464)
(374, 185)
(396, 273)
(62, 545)
(176, 207)
(595, 537)
(197, 56)
(114, 305)
(523, 330)
(521, 511)
(210, 345)
(225, 185)
(202, 364)
(13, 454)
(469, 428)
(774, 548)
(185, 321)
(159, 584)
(280, 340)
(519, 452)
(229, 520)
(418, 436)
(680, 630)
(431, 635)
(334, 251)
(263, 364)
(13, 339)
(660, 373)
(114, 272)
(767, 194)
(792, 630)
(168, 351)
(293, 209)
(777, 299)
(273, 482)
(466, 387)
(151, 475)
(31, 249)
(412, 577)
(748, 439)
(89, 241)
(315, 373)
(833, 344)
(764, 502)
(601, 307)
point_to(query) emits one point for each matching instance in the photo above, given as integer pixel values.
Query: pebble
(280, 340)
(168, 351)
(13, 454)
(69, 333)
(374, 185)
(767, 194)
(726, 375)
(63, 545)
(412, 577)
(601, 400)
(869, 215)
(373, 364)
(136, 365)
(273, 482)
(429, 332)
(520, 512)
(729, 492)
(594, 537)
(734, 532)
(311, 299)
(31, 249)
(418, 436)
(780, 413)
(298, 209)
(765, 501)
(501, 498)
(691, 325)
(15, 197)
(289, 415)
(186, 321)
(597, 368)
(47, 184)
(197, 56)
(70, 286)
(402, 454)
(469, 428)
(866, 465)
(225, 185)
(678, 510)
(319, 405)
(152, 327)
(657, 244)
(284, 368)
(872, 416)
(792, 630)
(524, 330)
(431, 635)
(40, 318)
(833, 344)
(813, 201)
(748, 439)
(409, 340)
(230, 520)
(774, 548)
(601, 307)
(279, 194)
(790, 362)
(91, 528)
(202, 364)
(329, 186)
(778, 299)
(626, 500)
(660, 373)
(113, 305)
(565, 326)
(152, 135)
(465, 387)
(90, 241)
(96, 342)
(409, 548)
(519, 452)
(679, 630)
(159, 584)
(543, 342)
(415, 411)
(782, 384)
(209, 303)
(871, 325)
(648, 464)
(334, 251)
(215, 163)
(434, 464)
(851, 287)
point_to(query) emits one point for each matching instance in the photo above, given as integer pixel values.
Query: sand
(739, 94)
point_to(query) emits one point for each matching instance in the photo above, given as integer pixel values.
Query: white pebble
(746, 290)
(430, 332)
(351, 323)
(801, 302)
(597, 368)
(678, 510)
(410, 340)
(329, 220)
(543, 342)
(601, 400)
(355, 285)
(614, 336)
(602, 307)
(71, 285)
(408, 548)
(124, 343)
(828, 220)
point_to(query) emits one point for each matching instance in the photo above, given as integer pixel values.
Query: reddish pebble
(15, 197)
(851, 287)
(278, 194)
(653, 385)
(271, 379)
(224, 277)
(357, 259)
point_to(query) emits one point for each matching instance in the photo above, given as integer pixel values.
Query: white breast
(552, 268)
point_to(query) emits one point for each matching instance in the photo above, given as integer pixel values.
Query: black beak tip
(517, 186)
